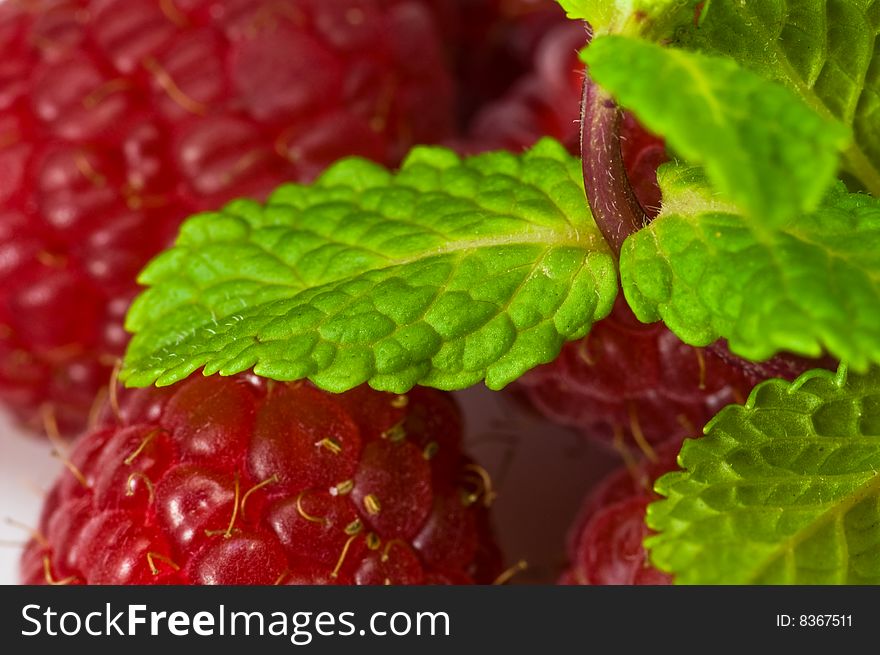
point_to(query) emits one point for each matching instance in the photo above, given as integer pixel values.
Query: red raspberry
(243, 481)
(606, 541)
(642, 155)
(491, 44)
(545, 101)
(634, 384)
(118, 118)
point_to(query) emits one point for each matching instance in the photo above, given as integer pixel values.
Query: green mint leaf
(783, 490)
(652, 19)
(707, 273)
(595, 12)
(824, 50)
(761, 146)
(446, 273)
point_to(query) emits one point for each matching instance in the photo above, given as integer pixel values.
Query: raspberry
(642, 155)
(119, 118)
(544, 101)
(634, 384)
(243, 481)
(491, 44)
(605, 542)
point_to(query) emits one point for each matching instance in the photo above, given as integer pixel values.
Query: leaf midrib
(703, 86)
(573, 238)
(550, 239)
(835, 512)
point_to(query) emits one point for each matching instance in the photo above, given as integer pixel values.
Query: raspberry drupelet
(245, 481)
(120, 118)
(634, 385)
(606, 540)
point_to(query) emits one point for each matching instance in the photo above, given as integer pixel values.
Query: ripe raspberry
(242, 481)
(545, 101)
(634, 384)
(605, 542)
(491, 44)
(118, 118)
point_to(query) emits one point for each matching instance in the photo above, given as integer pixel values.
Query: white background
(27, 469)
(541, 473)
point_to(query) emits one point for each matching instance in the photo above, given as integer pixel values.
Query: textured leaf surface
(446, 273)
(709, 273)
(760, 144)
(783, 490)
(824, 50)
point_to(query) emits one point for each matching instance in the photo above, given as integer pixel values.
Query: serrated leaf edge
(838, 379)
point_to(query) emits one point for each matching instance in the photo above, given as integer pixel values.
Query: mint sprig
(760, 145)
(822, 50)
(447, 273)
(783, 490)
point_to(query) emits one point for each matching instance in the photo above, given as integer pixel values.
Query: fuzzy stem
(615, 208)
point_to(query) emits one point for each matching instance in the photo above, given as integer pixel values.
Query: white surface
(27, 470)
(540, 472)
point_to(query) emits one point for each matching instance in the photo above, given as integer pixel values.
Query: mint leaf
(760, 145)
(824, 50)
(784, 490)
(653, 19)
(449, 272)
(707, 273)
(593, 11)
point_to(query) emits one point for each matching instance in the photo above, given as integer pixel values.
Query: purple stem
(615, 208)
(618, 214)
